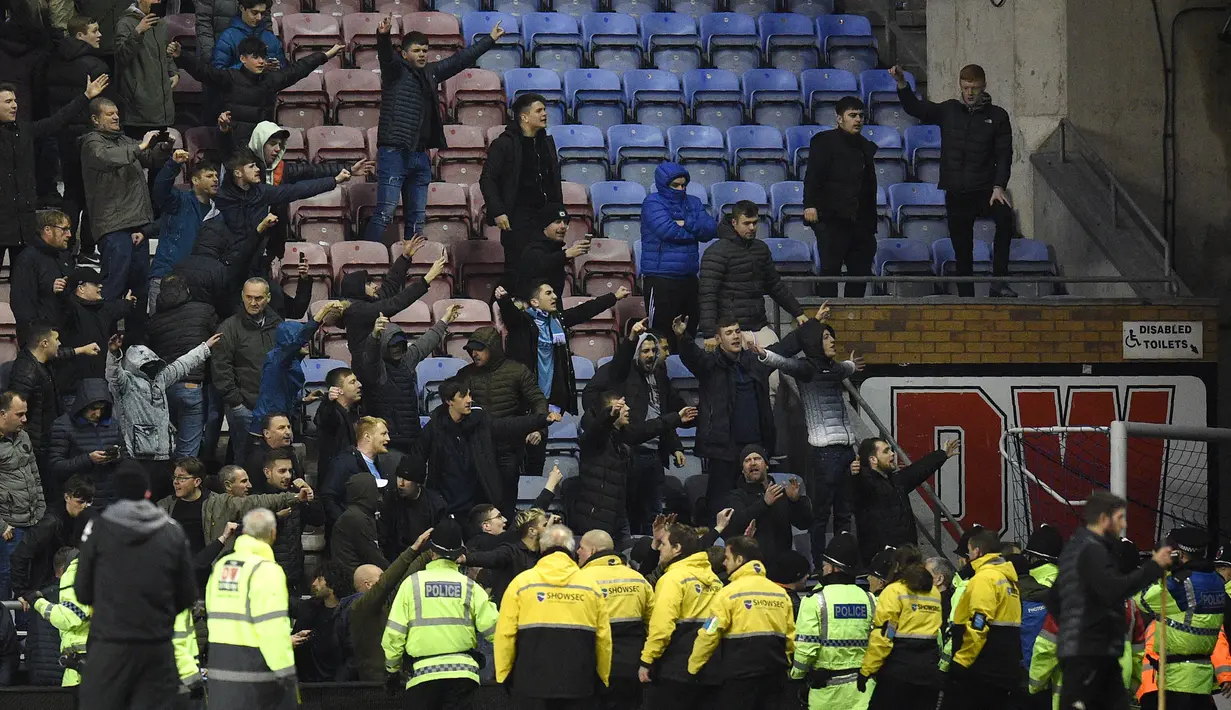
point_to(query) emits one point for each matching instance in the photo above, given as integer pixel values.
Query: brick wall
(1001, 333)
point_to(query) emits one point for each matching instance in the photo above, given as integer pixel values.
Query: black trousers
(722, 478)
(964, 693)
(514, 240)
(130, 676)
(508, 463)
(524, 703)
(1178, 701)
(622, 694)
(443, 694)
(645, 492)
(673, 695)
(963, 209)
(893, 694)
(668, 297)
(1092, 683)
(844, 241)
(763, 693)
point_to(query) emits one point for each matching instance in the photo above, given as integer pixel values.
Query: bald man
(629, 599)
(369, 609)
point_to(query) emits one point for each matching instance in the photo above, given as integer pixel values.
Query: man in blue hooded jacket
(672, 224)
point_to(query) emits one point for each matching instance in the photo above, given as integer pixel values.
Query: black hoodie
(72, 63)
(356, 540)
(393, 297)
(180, 324)
(73, 438)
(136, 571)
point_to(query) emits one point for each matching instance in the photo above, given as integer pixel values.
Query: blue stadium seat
(906, 257)
(798, 139)
(917, 208)
(636, 8)
(507, 54)
(654, 98)
(562, 436)
(880, 95)
(788, 41)
(757, 154)
(772, 98)
(582, 151)
(811, 8)
(682, 379)
(671, 40)
(617, 209)
(537, 81)
(1031, 256)
(694, 8)
(725, 194)
(793, 258)
(884, 222)
(714, 97)
(822, 88)
(552, 40)
(702, 150)
(923, 152)
(430, 372)
(751, 8)
(730, 41)
(613, 39)
(316, 369)
(576, 8)
(517, 8)
(944, 263)
(583, 372)
(847, 42)
(786, 201)
(595, 96)
(635, 151)
(890, 166)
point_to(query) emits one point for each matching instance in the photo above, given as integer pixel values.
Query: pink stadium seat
(604, 322)
(182, 28)
(441, 28)
(296, 148)
(335, 143)
(339, 8)
(359, 35)
(480, 267)
(475, 314)
(629, 309)
(462, 161)
(416, 319)
(398, 8)
(478, 213)
(370, 136)
(475, 97)
(188, 101)
(421, 262)
(493, 132)
(8, 332)
(303, 104)
(355, 97)
(352, 256)
(318, 269)
(200, 139)
(448, 215)
(594, 346)
(320, 219)
(363, 203)
(577, 202)
(309, 32)
(609, 265)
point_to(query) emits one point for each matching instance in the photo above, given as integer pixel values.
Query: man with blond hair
(371, 440)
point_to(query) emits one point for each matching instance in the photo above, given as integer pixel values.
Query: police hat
(964, 541)
(1127, 556)
(1045, 542)
(787, 567)
(882, 562)
(446, 539)
(1192, 541)
(842, 551)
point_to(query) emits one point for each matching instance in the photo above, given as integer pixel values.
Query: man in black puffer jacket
(775, 507)
(976, 156)
(355, 539)
(278, 472)
(608, 442)
(180, 324)
(83, 438)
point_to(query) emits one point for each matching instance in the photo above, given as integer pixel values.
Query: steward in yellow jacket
(72, 619)
(754, 621)
(553, 635)
(187, 652)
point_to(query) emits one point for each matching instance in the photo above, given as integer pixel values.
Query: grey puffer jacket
(139, 387)
(820, 388)
(21, 491)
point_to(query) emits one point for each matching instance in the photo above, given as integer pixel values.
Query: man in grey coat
(247, 337)
(147, 75)
(21, 492)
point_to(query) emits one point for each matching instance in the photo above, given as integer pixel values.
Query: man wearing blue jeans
(21, 493)
(411, 124)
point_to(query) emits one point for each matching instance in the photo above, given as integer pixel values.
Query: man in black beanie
(775, 507)
(544, 259)
(135, 570)
(409, 508)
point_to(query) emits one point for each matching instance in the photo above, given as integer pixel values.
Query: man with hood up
(672, 224)
(87, 441)
(356, 541)
(139, 387)
(135, 570)
(409, 507)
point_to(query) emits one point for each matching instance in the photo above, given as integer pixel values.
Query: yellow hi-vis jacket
(903, 641)
(684, 600)
(553, 633)
(629, 599)
(987, 622)
(70, 617)
(755, 622)
(831, 636)
(435, 619)
(184, 641)
(249, 630)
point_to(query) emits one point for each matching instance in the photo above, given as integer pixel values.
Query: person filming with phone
(86, 441)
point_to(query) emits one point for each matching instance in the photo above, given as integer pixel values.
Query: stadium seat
(792, 258)
(415, 318)
(671, 40)
(507, 54)
(788, 41)
(609, 261)
(923, 153)
(702, 150)
(537, 81)
(318, 268)
(562, 436)
(476, 98)
(335, 143)
(481, 266)
(617, 209)
(822, 88)
(338, 8)
(714, 98)
(199, 139)
(361, 197)
(315, 371)
(730, 41)
(359, 36)
(423, 259)
(475, 314)
(635, 151)
(431, 372)
(682, 379)
(757, 154)
(772, 98)
(810, 8)
(786, 203)
(884, 219)
(847, 42)
(398, 8)
(592, 340)
(907, 257)
(189, 101)
(353, 256)
(613, 39)
(552, 40)
(448, 214)
(914, 206)
(355, 97)
(516, 8)
(296, 146)
(880, 96)
(577, 203)
(725, 194)
(798, 142)
(442, 28)
(654, 98)
(944, 263)
(1031, 257)
(576, 8)
(478, 216)
(311, 32)
(320, 219)
(182, 28)
(459, 8)
(582, 153)
(462, 161)
(303, 104)
(890, 166)
(595, 97)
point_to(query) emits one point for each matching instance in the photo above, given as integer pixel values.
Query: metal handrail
(1118, 191)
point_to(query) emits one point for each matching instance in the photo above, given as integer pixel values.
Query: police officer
(629, 599)
(831, 633)
(252, 663)
(1195, 599)
(754, 620)
(72, 619)
(987, 656)
(436, 619)
(553, 636)
(192, 684)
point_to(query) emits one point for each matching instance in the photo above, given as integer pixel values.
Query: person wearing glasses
(40, 273)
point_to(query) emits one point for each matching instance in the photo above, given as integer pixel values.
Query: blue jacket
(282, 376)
(667, 249)
(225, 56)
(182, 215)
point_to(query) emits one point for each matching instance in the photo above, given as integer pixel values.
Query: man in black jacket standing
(840, 198)
(520, 177)
(136, 572)
(774, 507)
(40, 273)
(410, 123)
(545, 256)
(1088, 602)
(178, 325)
(883, 515)
(976, 156)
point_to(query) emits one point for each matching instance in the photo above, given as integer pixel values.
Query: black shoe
(1002, 291)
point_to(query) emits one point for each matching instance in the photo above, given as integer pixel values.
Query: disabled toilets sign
(1163, 340)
